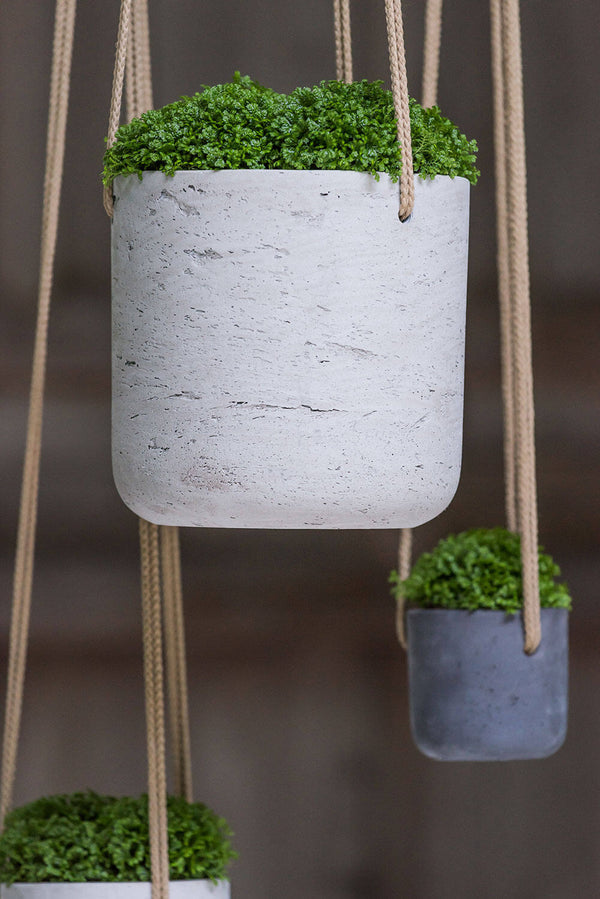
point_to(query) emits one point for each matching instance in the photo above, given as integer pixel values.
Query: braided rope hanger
(395, 36)
(157, 544)
(139, 99)
(62, 54)
(515, 314)
(343, 41)
(431, 52)
(58, 106)
(431, 68)
(138, 91)
(513, 274)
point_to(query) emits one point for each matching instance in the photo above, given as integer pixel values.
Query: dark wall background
(298, 692)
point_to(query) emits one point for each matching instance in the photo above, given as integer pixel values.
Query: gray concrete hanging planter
(475, 695)
(286, 353)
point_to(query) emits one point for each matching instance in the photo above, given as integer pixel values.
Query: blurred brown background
(298, 686)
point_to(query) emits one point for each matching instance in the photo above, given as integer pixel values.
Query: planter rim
(499, 613)
(105, 883)
(487, 611)
(300, 173)
(108, 889)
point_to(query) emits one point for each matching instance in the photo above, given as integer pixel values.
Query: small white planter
(178, 889)
(286, 353)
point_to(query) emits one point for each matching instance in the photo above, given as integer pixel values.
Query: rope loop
(431, 52)
(117, 89)
(515, 306)
(395, 35)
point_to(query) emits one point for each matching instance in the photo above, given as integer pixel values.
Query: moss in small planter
(87, 837)
(243, 125)
(478, 569)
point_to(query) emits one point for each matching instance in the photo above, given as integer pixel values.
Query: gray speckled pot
(286, 353)
(475, 695)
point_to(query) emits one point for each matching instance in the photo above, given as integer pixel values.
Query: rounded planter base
(179, 889)
(475, 695)
(287, 353)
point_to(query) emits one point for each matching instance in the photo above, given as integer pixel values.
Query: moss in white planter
(84, 837)
(474, 694)
(333, 125)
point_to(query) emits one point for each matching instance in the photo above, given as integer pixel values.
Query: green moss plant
(87, 837)
(478, 569)
(243, 125)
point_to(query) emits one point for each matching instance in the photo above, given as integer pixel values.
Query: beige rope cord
(155, 722)
(138, 70)
(504, 296)
(395, 36)
(176, 662)
(404, 563)
(343, 41)
(139, 99)
(133, 44)
(117, 88)
(509, 82)
(431, 52)
(23, 573)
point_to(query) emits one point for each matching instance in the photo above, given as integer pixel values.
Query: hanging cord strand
(343, 41)
(504, 293)
(520, 332)
(155, 723)
(117, 89)
(155, 547)
(24, 559)
(431, 52)
(395, 35)
(138, 72)
(176, 661)
(131, 78)
(404, 563)
(140, 99)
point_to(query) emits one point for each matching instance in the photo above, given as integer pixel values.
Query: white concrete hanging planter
(286, 353)
(178, 889)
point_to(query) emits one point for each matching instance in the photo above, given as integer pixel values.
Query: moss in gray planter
(85, 837)
(243, 125)
(474, 694)
(478, 569)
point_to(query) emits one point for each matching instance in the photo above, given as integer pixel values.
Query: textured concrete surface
(286, 353)
(474, 693)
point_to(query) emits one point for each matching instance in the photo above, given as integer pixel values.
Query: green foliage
(242, 125)
(86, 837)
(478, 569)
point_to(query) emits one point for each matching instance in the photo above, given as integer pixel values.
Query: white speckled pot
(178, 889)
(287, 353)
